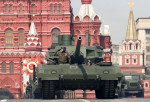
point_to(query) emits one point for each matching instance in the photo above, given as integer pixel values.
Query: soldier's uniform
(64, 57)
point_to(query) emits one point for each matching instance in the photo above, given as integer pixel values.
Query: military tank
(52, 76)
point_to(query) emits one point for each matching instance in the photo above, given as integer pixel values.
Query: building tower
(87, 24)
(105, 42)
(32, 43)
(130, 51)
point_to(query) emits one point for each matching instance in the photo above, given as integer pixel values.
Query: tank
(100, 76)
(131, 85)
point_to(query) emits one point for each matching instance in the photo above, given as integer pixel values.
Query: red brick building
(105, 42)
(131, 54)
(29, 27)
(146, 85)
(131, 51)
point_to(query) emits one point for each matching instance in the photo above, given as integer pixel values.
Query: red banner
(29, 63)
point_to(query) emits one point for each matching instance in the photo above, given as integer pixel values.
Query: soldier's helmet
(89, 61)
(27, 83)
(64, 49)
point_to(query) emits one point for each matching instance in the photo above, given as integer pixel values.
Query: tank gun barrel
(77, 51)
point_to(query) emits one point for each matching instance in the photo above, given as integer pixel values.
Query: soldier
(28, 90)
(64, 56)
(89, 63)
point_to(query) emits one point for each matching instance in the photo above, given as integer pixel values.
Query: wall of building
(143, 29)
(143, 24)
(115, 54)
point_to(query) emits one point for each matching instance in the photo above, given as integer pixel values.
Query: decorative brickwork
(29, 27)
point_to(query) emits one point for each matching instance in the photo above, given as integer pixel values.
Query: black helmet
(27, 83)
(64, 49)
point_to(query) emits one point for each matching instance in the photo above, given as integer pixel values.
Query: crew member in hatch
(89, 63)
(64, 56)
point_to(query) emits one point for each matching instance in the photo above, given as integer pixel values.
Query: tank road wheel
(107, 90)
(112, 89)
(45, 90)
(52, 90)
(97, 92)
(48, 90)
(37, 96)
(103, 92)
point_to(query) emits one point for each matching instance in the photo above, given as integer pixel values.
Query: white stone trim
(120, 60)
(20, 4)
(86, 10)
(32, 30)
(143, 70)
(32, 38)
(106, 50)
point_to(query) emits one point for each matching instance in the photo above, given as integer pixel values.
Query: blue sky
(116, 13)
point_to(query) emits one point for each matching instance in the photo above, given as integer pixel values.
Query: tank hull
(102, 79)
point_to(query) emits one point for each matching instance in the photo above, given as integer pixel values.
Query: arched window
(86, 18)
(125, 45)
(127, 60)
(88, 39)
(134, 60)
(6, 8)
(8, 38)
(21, 37)
(11, 67)
(77, 19)
(55, 33)
(136, 46)
(10, 8)
(95, 34)
(33, 8)
(130, 46)
(51, 8)
(55, 8)
(20, 6)
(60, 8)
(3, 67)
(96, 18)
(146, 85)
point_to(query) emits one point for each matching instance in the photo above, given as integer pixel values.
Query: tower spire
(131, 3)
(131, 33)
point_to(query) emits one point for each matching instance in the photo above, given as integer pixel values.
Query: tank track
(107, 90)
(48, 90)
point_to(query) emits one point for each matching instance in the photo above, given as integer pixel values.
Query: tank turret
(79, 54)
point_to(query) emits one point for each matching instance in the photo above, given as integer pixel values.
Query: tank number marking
(73, 67)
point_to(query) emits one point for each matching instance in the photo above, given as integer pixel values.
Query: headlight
(106, 72)
(53, 71)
